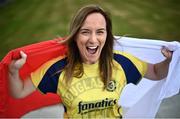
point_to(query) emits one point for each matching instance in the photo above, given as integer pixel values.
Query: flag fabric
(37, 54)
(143, 100)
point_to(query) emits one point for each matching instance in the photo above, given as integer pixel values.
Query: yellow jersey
(86, 97)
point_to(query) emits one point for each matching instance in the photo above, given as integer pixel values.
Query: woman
(90, 78)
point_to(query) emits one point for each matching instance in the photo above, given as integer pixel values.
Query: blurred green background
(24, 22)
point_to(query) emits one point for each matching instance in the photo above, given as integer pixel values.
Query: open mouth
(92, 49)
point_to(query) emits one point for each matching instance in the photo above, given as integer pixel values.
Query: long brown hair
(74, 67)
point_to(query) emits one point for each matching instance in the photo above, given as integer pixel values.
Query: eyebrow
(86, 29)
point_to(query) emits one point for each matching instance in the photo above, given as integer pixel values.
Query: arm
(18, 87)
(160, 70)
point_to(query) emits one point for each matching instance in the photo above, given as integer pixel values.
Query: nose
(93, 38)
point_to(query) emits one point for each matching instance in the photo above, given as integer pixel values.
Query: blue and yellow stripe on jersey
(49, 77)
(133, 67)
(46, 78)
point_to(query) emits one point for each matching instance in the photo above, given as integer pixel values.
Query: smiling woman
(91, 38)
(90, 68)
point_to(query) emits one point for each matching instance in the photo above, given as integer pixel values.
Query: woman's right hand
(15, 65)
(19, 88)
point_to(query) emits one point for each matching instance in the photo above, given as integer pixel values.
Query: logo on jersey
(111, 86)
(84, 107)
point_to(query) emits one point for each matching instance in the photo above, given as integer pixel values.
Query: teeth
(92, 47)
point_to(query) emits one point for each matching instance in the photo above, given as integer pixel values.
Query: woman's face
(91, 38)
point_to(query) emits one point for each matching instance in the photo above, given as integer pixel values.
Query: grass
(24, 22)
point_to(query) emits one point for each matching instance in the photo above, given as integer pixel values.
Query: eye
(85, 32)
(100, 32)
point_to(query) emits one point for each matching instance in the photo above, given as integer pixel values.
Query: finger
(17, 64)
(23, 58)
(20, 62)
(23, 55)
(166, 52)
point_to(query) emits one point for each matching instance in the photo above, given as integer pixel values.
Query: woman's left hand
(167, 53)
